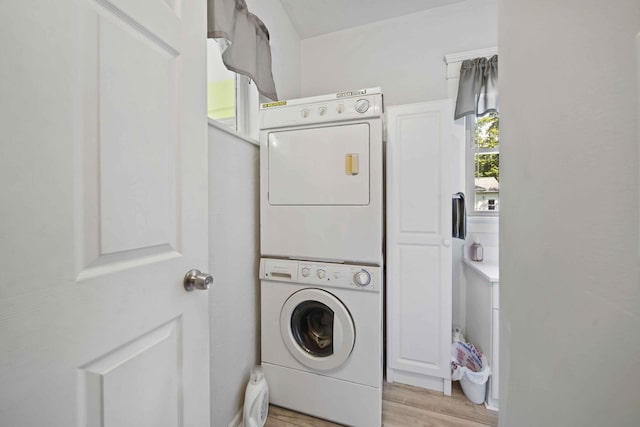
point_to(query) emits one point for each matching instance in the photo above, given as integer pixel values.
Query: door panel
(152, 398)
(137, 138)
(319, 166)
(419, 177)
(419, 303)
(107, 180)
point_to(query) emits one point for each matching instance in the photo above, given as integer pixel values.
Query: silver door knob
(197, 280)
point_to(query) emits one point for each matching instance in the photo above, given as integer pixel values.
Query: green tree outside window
(487, 136)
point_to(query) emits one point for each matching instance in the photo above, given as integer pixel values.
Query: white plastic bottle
(256, 400)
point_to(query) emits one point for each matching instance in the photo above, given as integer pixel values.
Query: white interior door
(104, 202)
(419, 244)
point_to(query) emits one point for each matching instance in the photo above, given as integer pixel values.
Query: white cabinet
(419, 245)
(482, 321)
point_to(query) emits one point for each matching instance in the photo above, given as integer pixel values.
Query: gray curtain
(478, 88)
(248, 52)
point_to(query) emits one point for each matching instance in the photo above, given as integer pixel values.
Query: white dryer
(322, 339)
(321, 178)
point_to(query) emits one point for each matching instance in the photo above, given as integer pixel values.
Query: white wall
(285, 46)
(570, 294)
(403, 55)
(233, 251)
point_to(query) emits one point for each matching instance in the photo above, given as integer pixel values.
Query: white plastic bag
(467, 360)
(470, 367)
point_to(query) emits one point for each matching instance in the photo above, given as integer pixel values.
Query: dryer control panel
(352, 105)
(363, 278)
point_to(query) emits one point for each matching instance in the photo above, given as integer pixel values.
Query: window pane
(487, 163)
(487, 186)
(221, 87)
(487, 131)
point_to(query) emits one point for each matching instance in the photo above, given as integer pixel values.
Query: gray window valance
(248, 52)
(478, 87)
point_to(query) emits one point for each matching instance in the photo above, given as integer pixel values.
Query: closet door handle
(446, 243)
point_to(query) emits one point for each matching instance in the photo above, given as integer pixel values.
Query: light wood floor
(404, 406)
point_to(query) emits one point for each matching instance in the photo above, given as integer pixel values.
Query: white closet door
(419, 244)
(104, 210)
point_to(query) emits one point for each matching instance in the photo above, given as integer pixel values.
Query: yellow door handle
(351, 164)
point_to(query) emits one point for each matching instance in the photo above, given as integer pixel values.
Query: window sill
(483, 214)
(232, 132)
(480, 219)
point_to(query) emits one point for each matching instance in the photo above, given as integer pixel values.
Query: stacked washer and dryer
(321, 271)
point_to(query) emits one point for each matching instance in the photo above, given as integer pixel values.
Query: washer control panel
(339, 275)
(363, 278)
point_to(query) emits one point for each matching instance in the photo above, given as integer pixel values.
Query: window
(232, 99)
(483, 163)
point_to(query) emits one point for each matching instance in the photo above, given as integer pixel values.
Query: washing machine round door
(317, 329)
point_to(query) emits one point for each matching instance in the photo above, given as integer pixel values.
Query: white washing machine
(321, 178)
(322, 339)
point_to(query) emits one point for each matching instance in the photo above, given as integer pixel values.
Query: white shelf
(489, 270)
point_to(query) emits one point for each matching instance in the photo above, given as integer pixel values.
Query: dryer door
(317, 329)
(323, 166)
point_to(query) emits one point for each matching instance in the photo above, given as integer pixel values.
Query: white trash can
(470, 367)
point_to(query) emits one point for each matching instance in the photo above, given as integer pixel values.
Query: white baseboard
(237, 420)
(418, 380)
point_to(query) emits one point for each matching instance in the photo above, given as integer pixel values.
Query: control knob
(305, 272)
(362, 278)
(362, 105)
(321, 274)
